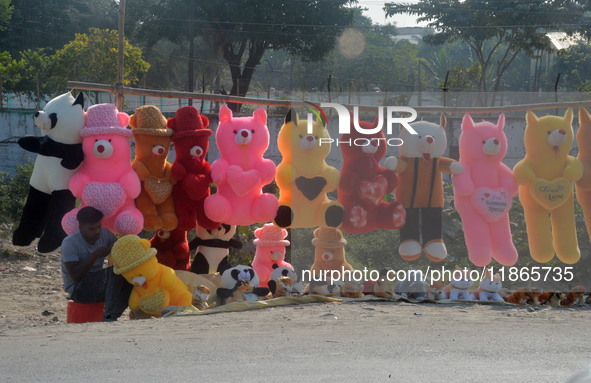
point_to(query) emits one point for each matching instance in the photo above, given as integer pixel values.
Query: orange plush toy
(152, 143)
(584, 184)
(330, 252)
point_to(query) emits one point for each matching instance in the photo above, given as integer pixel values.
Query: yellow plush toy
(155, 286)
(545, 177)
(304, 178)
(584, 184)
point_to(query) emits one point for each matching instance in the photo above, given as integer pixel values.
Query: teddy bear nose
(309, 138)
(496, 141)
(244, 133)
(562, 131)
(100, 148)
(430, 140)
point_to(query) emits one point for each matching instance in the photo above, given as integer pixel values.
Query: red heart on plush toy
(105, 197)
(492, 204)
(242, 182)
(374, 191)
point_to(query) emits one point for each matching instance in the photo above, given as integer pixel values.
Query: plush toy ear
(467, 122)
(132, 120)
(79, 100)
(145, 243)
(501, 121)
(170, 123)
(225, 113)
(85, 118)
(205, 121)
(258, 232)
(531, 118)
(442, 121)
(274, 266)
(584, 116)
(123, 119)
(568, 116)
(260, 115)
(284, 232)
(288, 116)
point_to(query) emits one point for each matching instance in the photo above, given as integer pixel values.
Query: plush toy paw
(218, 208)
(456, 168)
(358, 217)
(435, 250)
(506, 255)
(152, 222)
(334, 215)
(480, 256)
(129, 224)
(410, 250)
(391, 163)
(284, 216)
(70, 223)
(264, 208)
(399, 216)
(169, 222)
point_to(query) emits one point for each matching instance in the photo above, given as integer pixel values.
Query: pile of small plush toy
(87, 156)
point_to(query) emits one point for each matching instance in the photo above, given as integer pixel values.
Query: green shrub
(13, 191)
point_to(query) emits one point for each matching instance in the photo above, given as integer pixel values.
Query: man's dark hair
(89, 214)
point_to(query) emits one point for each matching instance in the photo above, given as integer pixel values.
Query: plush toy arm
(73, 157)
(141, 170)
(181, 249)
(284, 175)
(168, 173)
(260, 291)
(449, 166)
(195, 243)
(219, 171)
(390, 177)
(30, 143)
(134, 300)
(463, 183)
(396, 165)
(272, 286)
(350, 181)
(178, 171)
(332, 177)
(507, 180)
(168, 280)
(584, 183)
(131, 183)
(574, 169)
(225, 293)
(523, 172)
(196, 185)
(236, 244)
(267, 169)
(77, 183)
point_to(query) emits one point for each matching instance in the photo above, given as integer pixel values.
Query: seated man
(83, 255)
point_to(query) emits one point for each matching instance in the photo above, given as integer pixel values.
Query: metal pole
(120, 54)
(191, 51)
(445, 89)
(268, 93)
(420, 84)
(556, 92)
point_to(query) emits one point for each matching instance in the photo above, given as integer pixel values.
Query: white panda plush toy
(59, 154)
(296, 287)
(213, 247)
(239, 284)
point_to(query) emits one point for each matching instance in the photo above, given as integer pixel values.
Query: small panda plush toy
(240, 284)
(280, 289)
(213, 249)
(59, 154)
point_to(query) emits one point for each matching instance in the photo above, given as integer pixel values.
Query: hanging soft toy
(304, 178)
(190, 169)
(329, 253)
(59, 154)
(484, 191)
(240, 284)
(155, 286)
(583, 185)
(173, 249)
(270, 242)
(545, 177)
(364, 183)
(241, 171)
(489, 288)
(106, 180)
(420, 188)
(152, 143)
(213, 248)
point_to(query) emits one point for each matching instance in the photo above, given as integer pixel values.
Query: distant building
(412, 34)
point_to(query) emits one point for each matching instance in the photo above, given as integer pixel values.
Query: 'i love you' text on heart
(551, 194)
(493, 204)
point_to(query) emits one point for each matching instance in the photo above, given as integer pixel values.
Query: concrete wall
(16, 123)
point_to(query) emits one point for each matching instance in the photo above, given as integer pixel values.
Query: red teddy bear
(364, 183)
(173, 249)
(189, 169)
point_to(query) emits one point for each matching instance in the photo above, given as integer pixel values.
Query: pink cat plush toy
(270, 243)
(484, 191)
(106, 180)
(241, 171)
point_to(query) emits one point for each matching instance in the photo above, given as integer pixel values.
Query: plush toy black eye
(109, 140)
(420, 136)
(95, 140)
(549, 132)
(316, 137)
(483, 142)
(235, 132)
(252, 130)
(301, 136)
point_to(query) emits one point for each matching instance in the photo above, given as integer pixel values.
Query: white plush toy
(460, 285)
(489, 288)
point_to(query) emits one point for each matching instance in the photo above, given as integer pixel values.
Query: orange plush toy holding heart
(545, 177)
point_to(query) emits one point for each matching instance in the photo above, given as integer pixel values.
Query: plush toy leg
(180, 295)
(584, 198)
(32, 219)
(202, 218)
(285, 216)
(331, 214)
(564, 232)
(224, 265)
(144, 203)
(166, 258)
(167, 215)
(432, 229)
(504, 250)
(355, 219)
(69, 222)
(391, 215)
(129, 221)
(218, 208)
(184, 208)
(62, 201)
(477, 236)
(264, 208)
(537, 221)
(453, 295)
(410, 247)
(200, 264)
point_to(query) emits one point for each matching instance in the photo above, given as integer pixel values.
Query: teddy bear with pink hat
(106, 180)
(270, 243)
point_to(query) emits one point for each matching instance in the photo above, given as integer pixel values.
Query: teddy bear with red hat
(190, 169)
(270, 242)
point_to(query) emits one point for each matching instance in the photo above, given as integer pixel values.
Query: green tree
(10, 74)
(574, 64)
(93, 58)
(34, 75)
(496, 31)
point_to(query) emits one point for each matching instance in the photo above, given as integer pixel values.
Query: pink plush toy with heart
(241, 171)
(484, 191)
(270, 243)
(106, 180)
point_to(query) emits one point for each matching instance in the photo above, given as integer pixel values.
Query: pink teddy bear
(270, 243)
(241, 171)
(106, 180)
(484, 191)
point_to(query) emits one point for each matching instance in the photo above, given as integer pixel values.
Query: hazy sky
(379, 16)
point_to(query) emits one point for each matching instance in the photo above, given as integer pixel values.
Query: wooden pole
(268, 94)
(420, 85)
(191, 52)
(120, 55)
(38, 96)
(1, 92)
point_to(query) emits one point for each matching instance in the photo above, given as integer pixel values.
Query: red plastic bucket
(85, 312)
